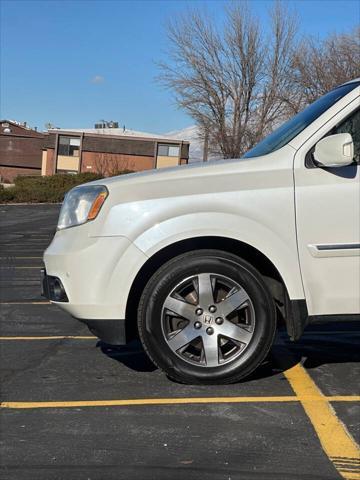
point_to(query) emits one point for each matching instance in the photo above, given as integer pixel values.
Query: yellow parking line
(146, 401)
(38, 267)
(158, 401)
(333, 435)
(51, 337)
(342, 398)
(14, 257)
(23, 245)
(332, 332)
(40, 302)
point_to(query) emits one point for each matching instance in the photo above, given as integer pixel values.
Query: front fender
(263, 218)
(281, 252)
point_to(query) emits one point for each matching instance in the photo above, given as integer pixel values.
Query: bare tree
(319, 66)
(108, 165)
(232, 83)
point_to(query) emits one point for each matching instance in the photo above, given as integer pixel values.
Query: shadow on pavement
(132, 356)
(320, 345)
(323, 344)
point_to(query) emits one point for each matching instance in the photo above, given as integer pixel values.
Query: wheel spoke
(234, 332)
(184, 309)
(211, 349)
(184, 337)
(205, 292)
(229, 304)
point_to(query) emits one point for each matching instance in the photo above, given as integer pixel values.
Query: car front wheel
(207, 317)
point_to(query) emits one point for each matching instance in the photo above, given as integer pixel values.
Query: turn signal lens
(96, 206)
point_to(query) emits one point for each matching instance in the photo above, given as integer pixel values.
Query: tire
(207, 317)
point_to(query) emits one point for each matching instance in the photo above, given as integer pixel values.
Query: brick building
(20, 150)
(109, 150)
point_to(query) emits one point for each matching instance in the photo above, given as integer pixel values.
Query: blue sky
(73, 63)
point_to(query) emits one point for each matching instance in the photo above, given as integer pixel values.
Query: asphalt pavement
(76, 408)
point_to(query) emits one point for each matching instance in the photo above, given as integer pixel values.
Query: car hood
(208, 177)
(169, 173)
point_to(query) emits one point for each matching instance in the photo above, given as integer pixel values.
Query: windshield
(284, 134)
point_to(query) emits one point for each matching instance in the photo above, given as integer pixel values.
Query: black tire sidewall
(170, 275)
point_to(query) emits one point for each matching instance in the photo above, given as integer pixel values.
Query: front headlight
(81, 205)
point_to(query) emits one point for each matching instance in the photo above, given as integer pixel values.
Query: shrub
(121, 172)
(49, 189)
(6, 194)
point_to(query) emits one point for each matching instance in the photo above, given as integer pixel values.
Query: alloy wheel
(208, 320)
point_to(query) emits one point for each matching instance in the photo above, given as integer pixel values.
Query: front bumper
(95, 275)
(109, 331)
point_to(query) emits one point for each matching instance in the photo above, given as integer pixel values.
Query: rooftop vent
(105, 124)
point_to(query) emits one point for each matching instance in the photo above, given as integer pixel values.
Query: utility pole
(206, 146)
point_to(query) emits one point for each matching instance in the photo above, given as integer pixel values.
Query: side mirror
(335, 150)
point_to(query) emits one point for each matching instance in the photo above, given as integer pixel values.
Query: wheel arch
(249, 253)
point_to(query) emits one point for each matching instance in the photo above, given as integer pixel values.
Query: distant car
(201, 261)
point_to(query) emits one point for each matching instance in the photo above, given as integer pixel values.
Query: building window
(69, 147)
(166, 150)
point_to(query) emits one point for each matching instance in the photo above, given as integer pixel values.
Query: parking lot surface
(73, 407)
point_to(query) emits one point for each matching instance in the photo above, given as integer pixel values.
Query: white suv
(201, 261)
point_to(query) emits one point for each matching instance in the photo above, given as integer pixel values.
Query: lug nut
(219, 320)
(197, 325)
(212, 309)
(209, 330)
(199, 311)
